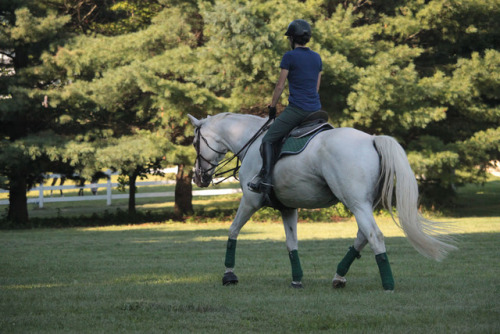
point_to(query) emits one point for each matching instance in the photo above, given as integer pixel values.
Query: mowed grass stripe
(167, 278)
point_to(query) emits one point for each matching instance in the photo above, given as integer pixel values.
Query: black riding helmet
(299, 31)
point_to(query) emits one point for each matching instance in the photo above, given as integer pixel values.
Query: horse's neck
(239, 129)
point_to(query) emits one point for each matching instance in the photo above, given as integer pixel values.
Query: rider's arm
(280, 85)
(319, 82)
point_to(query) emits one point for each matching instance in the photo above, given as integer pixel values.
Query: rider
(302, 67)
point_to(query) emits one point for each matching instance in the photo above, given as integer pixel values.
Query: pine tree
(134, 156)
(458, 72)
(132, 85)
(425, 72)
(39, 135)
(27, 140)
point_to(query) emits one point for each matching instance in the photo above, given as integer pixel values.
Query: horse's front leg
(290, 217)
(245, 210)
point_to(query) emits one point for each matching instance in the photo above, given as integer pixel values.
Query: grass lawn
(479, 200)
(157, 278)
(167, 278)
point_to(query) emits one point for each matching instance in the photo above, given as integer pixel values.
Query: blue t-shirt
(304, 66)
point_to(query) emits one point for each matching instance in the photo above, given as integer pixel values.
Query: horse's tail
(426, 236)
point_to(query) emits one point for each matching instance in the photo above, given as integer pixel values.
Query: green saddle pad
(294, 145)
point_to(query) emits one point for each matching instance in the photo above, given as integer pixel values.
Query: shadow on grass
(143, 277)
(169, 235)
(476, 200)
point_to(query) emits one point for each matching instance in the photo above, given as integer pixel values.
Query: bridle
(200, 157)
(223, 163)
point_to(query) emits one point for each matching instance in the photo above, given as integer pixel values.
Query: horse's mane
(248, 119)
(233, 124)
(230, 114)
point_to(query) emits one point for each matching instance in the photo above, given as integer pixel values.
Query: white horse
(342, 164)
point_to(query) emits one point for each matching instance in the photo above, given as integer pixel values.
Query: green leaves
(32, 29)
(391, 98)
(128, 152)
(119, 85)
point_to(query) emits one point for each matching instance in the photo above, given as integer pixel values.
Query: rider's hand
(272, 112)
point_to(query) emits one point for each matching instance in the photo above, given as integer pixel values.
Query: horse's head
(209, 151)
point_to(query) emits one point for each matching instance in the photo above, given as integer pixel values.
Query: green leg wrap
(346, 262)
(385, 271)
(296, 268)
(230, 253)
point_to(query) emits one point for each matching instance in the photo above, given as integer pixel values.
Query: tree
(134, 156)
(38, 134)
(27, 140)
(457, 70)
(134, 85)
(425, 72)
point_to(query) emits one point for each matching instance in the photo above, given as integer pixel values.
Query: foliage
(331, 214)
(425, 73)
(84, 81)
(124, 17)
(28, 141)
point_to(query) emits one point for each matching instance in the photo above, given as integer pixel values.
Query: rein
(226, 161)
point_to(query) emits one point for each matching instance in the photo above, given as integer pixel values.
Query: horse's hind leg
(353, 253)
(245, 211)
(368, 227)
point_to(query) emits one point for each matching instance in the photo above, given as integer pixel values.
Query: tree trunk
(18, 205)
(131, 194)
(183, 191)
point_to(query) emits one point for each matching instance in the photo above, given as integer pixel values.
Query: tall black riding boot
(265, 183)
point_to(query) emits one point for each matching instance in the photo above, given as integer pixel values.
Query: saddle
(298, 139)
(296, 142)
(310, 124)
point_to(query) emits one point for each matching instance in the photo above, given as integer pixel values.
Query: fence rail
(109, 197)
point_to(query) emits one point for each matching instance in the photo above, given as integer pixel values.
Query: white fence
(109, 197)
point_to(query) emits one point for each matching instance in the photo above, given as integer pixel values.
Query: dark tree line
(88, 85)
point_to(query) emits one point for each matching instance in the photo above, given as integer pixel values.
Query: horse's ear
(196, 122)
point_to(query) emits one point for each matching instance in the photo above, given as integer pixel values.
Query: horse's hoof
(338, 284)
(229, 278)
(338, 281)
(297, 285)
